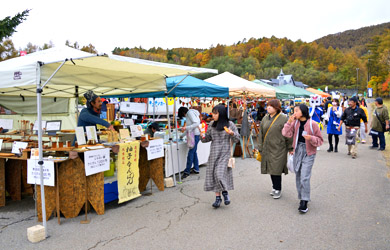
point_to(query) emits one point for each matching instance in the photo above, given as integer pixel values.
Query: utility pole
(357, 81)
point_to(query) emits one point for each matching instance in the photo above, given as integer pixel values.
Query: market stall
(280, 94)
(298, 92)
(66, 72)
(318, 92)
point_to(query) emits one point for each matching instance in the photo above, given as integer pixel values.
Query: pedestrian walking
(362, 131)
(351, 117)
(219, 177)
(306, 138)
(334, 114)
(379, 125)
(192, 128)
(273, 146)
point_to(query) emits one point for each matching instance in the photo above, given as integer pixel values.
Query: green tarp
(280, 94)
(298, 92)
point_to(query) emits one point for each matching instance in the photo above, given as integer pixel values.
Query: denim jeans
(382, 140)
(192, 157)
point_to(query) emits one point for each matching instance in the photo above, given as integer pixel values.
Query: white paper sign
(80, 136)
(91, 133)
(155, 149)
(17, 146)
(128, 122)
(6, 123)
(1, 143)
(53, 125)
(136, 131)
(134, 117)
(96, 161)
(36, 125)
(34, 172)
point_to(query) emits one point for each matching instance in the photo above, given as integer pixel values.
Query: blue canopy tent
(184, 86)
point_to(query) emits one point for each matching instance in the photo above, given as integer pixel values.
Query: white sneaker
(272, 192)
(277, 194)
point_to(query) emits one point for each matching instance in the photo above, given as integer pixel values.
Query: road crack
(15, 222)
(105, 242)
(143, 205)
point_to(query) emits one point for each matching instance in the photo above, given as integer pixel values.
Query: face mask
(334, 103)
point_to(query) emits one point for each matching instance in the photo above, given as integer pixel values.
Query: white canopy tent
(239, 86)
(72, 72)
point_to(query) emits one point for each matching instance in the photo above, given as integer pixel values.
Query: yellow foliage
(332, 67)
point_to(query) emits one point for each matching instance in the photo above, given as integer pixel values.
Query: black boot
(226, 197)
(330, 148)
(335, 149)
(217, 202)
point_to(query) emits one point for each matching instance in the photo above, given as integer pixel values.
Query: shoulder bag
(258, 157)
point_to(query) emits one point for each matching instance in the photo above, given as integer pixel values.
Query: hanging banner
(128, 171)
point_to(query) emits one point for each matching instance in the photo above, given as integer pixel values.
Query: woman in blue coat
(334, 114)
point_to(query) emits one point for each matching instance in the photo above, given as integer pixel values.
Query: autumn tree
(90, 49)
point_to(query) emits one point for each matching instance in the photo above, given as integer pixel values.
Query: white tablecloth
(203, 156)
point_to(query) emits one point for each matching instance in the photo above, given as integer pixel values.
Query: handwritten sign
(80, 136)
(17, 146)
(128, 171)
(155, 149)
(34, 172)
(96, 161)
(53, 125)
(129, 122)
(36, 125)
(6, 123)
(124, 133)
(91, 133)
(136, 131)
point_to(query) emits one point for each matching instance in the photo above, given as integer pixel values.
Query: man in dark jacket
(351, 117)
(379, 125)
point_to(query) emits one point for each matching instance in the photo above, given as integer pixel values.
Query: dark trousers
(276, 182)
(192, 157)
(382, 140)
(336, 138)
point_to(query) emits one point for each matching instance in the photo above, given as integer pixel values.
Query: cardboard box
(168, 182)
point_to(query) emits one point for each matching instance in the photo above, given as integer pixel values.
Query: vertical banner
(128, 171)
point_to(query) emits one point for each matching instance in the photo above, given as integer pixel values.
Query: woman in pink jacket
(306, 138)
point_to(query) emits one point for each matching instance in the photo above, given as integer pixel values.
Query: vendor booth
(318, 92)
(298, 92)
(183, 86)
(73, 181)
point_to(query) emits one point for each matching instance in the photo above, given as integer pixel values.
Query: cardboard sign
(124, 134)
(136, 131)
(128, 171)
(6, 123)
(155, 149)
(91, 133)
(80, 136)
(96, 161)
(34, 172)
(17, 146)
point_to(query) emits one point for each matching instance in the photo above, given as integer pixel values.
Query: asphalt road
(350, 209)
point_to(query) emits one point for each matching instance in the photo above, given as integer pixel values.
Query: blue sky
(197, 24)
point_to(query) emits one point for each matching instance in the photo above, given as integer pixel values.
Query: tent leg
(170, 140)
(154, 108)
(40, 161)
(177, 136)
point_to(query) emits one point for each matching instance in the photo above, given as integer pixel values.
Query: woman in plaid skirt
(219, 177)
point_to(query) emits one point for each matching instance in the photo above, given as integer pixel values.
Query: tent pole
(170, 139)
(40, 159)
(177, 136)
(77, 101)
(177, 84)
(154, 108)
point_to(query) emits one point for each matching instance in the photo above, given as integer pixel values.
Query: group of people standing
(282, 137)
